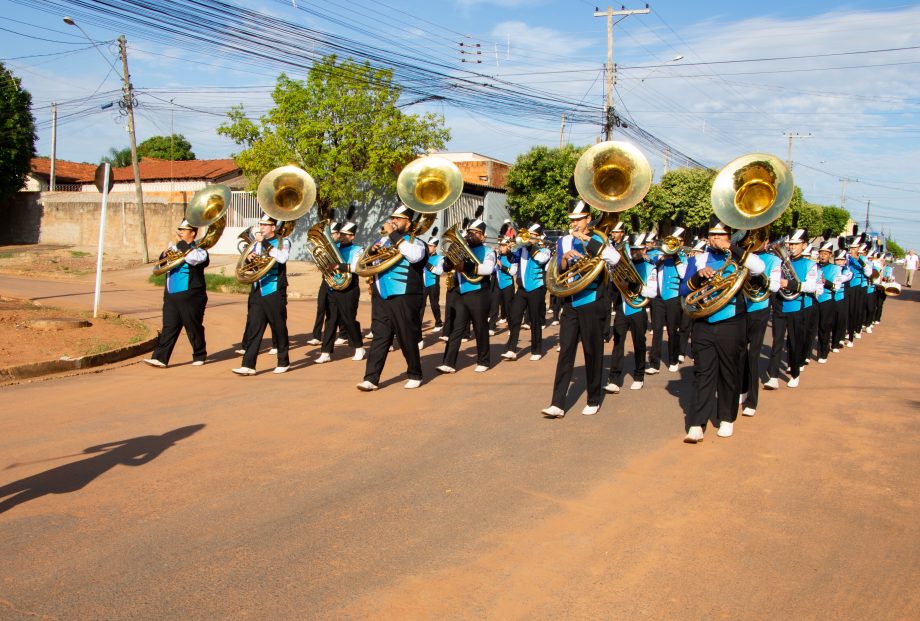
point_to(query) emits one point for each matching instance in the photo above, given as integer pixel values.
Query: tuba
(208, 207)
(456, 250)
(285, 193)
(611, 176)
(747, 195)
(326, 255)
(428, 185)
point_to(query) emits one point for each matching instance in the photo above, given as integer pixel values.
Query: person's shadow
(72, 477)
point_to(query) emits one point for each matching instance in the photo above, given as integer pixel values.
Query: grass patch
(6, 255)
(76, 254)
(99, 348)
(213, 282)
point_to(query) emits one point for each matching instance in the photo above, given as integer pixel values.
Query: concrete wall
(22, 217)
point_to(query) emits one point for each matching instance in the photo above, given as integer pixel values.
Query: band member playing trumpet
(184, 300)
(267, 300)
(398, 306)
(528, 265)
(473, 300)
(343, 304)
(583, 313)
(503, 293)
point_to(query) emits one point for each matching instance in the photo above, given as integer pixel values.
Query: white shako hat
(579, 209)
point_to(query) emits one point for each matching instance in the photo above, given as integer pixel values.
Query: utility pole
(51, 174)
(843, 192)
(667, 160)
(789, 136)
(127, 104)
(868, 202)
(610, 77)
(562, 132)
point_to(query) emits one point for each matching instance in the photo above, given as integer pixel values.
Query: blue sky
(858, 114)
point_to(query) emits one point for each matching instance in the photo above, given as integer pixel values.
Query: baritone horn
(610, 176)
(285, 194)
(747, 195)
(427, 185)
(208, 207)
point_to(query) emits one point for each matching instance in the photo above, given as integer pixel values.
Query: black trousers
(666, 314)
(717, 352)
(871, 307)
(811, 330)
(637, 325)
(584, 324)
(432, 297)
(343, 311)
(880, 297)
(555, 307)
(501, 305)
(827, 317)
(840, 322)
(451, 309)
(778, 333)
(795, 341)
(532, 306)
(182, 310)
(755, 331)
(857, 310)
(472, 306)
(266, 310)
(396, 317)
(610, 298)
(322, 310)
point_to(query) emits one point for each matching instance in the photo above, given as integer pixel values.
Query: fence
(244, 209)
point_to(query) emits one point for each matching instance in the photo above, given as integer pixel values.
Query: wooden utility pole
(127, 104)
(562, 132)
(789, 137)
(51, 174)
(610, 77)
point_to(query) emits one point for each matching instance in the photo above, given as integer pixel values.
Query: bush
(213, 282)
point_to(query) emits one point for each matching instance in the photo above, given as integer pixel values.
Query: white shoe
(801, 369)
(741, 398)
(822, 360)
(748, 411)
(411, 384)
(535, 357)
(694, 435)
(360, 353)
(481, 368)
(859, 335)
(445, 369)
(849, 343)
(834, 351)
(651, 371)
(674, 368)
(443, 338)
(509, 355)
(725, 429)
(869, 330)
(553, 412)
(771, 384)
(491, 332)
(636, 386)
(340, 341)
(612, 388)
(465, 339)
(501, 322)
(554, 322)
(793, 382)
(322, 358)
(312, 342)
(366, 386)
(369, 335)
(681, 358)
(421, 344)
(155, 363)
(558, 347)
(392, 347)
(239, 351)
(437, 328)
(244, 371)
(590, 410)
(281, 369)
(525, 326)
(273, 351)
(197, 363)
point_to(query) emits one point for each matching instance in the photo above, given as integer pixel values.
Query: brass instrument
(456, 250)
(611, 176)
(892, 288)
(627, 279)
(671, 245)
(427, 185)
(285, 193)
(790, 291)
(208, 207)
(748, 194)
(326, 255)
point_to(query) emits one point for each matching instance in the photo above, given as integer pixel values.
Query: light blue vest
(769, 261)
(504, 280)
(268, 284)
(394, 281)
(801, 266)
(589, 293)
(177, 279)
(530, 275)
(434, 261)
(466, 286)
(670, 279)
(829, 272)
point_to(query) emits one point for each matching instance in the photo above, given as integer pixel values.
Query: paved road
(190, 493)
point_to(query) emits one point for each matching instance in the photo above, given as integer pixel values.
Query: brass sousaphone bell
(427, 185)
(612, 177)
(208, 207)
(285, 194)
(747, 195)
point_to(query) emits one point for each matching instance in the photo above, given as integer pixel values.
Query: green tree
(17, 134)
(538, 186)
(894, 248)
(810, 219)
(341, 125)
(118, 158)
(683, 191)
(835, 219)
(172, 147)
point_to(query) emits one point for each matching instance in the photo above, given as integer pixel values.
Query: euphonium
(427, 185)
(326, 255)
(208, 207)
(790, 292)
(611, 176)
(748, 194)
(285, 193)
(455, 249)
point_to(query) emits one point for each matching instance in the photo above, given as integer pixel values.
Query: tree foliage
(538, 186)
(683, 191)
(17, 133)
(173, 147)
(341, 125)
(835, 219)
(118, 158)
(893, 247)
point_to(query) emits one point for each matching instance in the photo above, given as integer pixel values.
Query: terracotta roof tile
(154, 169)
(64, 171)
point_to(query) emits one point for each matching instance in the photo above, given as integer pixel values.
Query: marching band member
(666, 310)
(503, 294)
(840, 302)
(268, 300)
(400, 297)
(871, 299)
(718, 339)
(856, 291)
(472, 302)
(758, 313)
(433, 270)
(322, 299)
(806, 273)
(611, 295)
(582, 314)
(529, 270)
(886, 274)
(831, 276)
(634, 320)
(811, 309)
(343, 304)
(184, 300)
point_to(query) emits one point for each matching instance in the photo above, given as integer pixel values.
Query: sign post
(104, 183)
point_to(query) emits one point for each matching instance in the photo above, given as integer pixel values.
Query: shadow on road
(73, 477)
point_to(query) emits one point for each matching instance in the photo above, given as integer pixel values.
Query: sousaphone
(208, 207)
